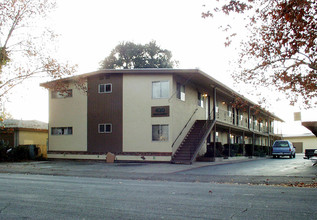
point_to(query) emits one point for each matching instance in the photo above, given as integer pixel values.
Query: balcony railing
(227, 117)
(224, 116)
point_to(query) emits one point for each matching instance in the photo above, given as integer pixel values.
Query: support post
(253, 140)
(249, 117)
(229, 142)
(214, 140)
(214, 117)
(243, 143)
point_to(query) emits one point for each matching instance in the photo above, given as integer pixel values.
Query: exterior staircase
(192, 143)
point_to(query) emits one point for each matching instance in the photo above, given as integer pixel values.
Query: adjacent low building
(302, 141)
(25, 132)
(151, 115)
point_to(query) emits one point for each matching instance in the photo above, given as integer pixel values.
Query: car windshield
(281, 144)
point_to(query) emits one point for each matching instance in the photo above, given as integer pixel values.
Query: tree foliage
(281, 42)
(26, 44)
(128, 55)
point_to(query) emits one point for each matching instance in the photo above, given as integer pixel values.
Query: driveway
(270, 167)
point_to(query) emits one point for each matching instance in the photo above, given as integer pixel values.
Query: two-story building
(151, 115)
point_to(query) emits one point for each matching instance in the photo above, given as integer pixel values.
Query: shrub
(20, 153)
(4, 147)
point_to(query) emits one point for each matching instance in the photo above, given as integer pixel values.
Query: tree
(26, 44)
(281, 42)
(128, 55)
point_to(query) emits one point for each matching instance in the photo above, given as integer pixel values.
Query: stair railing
(185, 126)
(202, 136)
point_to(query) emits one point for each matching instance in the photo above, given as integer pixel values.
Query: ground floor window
(61, 130)
(159, 132)
(105, 128)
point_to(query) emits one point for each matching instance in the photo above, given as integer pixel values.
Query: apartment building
(151, 115)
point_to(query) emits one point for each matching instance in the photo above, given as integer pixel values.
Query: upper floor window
(61, 130)
(200, 100)
(105, 128)
(105, 88)
(180, 89)
(160, 90)
(63, 94)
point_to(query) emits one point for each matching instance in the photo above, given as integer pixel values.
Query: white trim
(105, 130)
(105, 86)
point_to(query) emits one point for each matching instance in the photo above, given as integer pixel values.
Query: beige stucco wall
(32, 137)
(69, 112)
(137, 120)
(309, 142)
(183, 110)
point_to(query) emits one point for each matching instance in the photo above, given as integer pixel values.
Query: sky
(89, 30)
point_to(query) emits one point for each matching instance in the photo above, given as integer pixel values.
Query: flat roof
(195, 75)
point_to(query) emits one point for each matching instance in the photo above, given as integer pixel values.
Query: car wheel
(294, 155)
(274, 156)
(290, 156)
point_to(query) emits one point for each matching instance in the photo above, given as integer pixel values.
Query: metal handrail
(185, 126)
(201, 136)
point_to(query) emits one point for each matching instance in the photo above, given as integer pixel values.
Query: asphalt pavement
(256, 170)
(67, 197)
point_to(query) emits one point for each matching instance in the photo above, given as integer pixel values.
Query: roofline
(165, 70)
(298, 135)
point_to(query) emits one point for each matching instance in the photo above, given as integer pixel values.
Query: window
(200, 100)
(180, 91)
(160, 90)
(61, 130)
(105, 88)
(61, 95)
(105, 128)
(229, 110)
(159, 132)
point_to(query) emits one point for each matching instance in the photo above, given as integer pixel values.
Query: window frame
(161, 138)
(160, 96)
(105, 88)
(105, 128)
(63, 129)
(180, 92)
(200, 100)
(62, 95)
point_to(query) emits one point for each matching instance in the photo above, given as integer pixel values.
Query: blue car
(283, 148)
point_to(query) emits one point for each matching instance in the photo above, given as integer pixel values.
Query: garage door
(299, 147)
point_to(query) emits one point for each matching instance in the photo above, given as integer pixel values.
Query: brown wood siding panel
(105, 108)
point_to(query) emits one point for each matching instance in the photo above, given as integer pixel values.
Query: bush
(4, 147)
(210, 150)
(8, 153)
(20, 153)
(248, 149)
